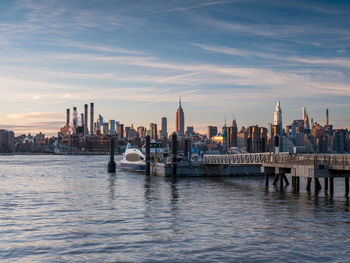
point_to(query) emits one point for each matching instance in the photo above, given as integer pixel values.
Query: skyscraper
(112, 130)
(212, 131)
(164, 131)
(153, 129)
(180, 120)
(277, 116)
(306, 120)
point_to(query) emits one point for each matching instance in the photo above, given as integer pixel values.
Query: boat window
(132, 157)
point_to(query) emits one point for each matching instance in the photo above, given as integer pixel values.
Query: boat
(133, 160)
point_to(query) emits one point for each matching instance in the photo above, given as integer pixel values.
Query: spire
(180, 100)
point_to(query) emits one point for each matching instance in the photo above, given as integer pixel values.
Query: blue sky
(134, 58)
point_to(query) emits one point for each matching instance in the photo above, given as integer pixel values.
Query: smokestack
(67, 118)
(91, 118)
(82, 120)
(86, 119)
(75, 117)
(327, 118)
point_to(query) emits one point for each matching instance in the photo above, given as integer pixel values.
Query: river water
(69, 209)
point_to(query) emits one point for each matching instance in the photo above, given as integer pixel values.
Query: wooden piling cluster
(281, 177)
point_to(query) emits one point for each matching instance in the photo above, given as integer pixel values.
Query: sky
(134, 58)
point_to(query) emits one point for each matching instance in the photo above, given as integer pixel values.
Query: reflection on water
(67, 208)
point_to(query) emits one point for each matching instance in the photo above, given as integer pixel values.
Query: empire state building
(180, 120)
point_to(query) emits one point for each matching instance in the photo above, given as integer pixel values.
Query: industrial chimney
(75, 117)
(86, 119)
(82, 120)
(67, 118)
(91, 118)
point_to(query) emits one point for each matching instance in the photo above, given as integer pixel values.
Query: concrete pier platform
(200, 169)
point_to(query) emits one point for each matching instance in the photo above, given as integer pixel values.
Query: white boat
(133, 160)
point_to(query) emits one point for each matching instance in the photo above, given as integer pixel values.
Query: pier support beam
(308, 184)
(266, 179)
(325, 184)
(346, 186)
(281, 180)
(285, 179)
(275, 179)
(318, 186)
(148, 155)
(297, 186)
(331, 185)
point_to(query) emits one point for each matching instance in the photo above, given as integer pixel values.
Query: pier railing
(282, 158)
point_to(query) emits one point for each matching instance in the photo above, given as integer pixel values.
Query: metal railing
(282, 158)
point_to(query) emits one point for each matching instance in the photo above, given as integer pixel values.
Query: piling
(266, 179)
(111, 163)
(331, 185)
(308, 184)
(285, 179)
(174, 150)
(297, 182)
(325, 184)
(275, 179)
(317, 185)
(148, 155)
(346, 186)
(281, 180)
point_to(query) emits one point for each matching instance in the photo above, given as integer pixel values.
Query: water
(69, 209)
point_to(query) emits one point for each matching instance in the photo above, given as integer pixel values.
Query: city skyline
(132, 60)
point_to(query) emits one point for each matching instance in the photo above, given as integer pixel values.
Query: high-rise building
(180, 120)
(189, 131)
(232, 134)
(256, 139)
(127, 129)
(120, 131)
(327, 117)
(277, 116)
(112, 127)
(99, 124)
(212, 131)
(6, 141)
(164, 131)
(153, 129)
(105, 128)
(306, 120)
(141, 131)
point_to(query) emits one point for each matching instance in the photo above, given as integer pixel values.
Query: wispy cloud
(34, 115)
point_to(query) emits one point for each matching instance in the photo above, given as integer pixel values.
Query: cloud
(34, 115)
(339, 62)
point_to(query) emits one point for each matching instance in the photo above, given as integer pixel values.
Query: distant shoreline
(86, 154)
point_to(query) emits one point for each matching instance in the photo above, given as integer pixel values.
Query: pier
(313, 167)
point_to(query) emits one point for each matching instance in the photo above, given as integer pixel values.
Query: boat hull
(133, 167)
